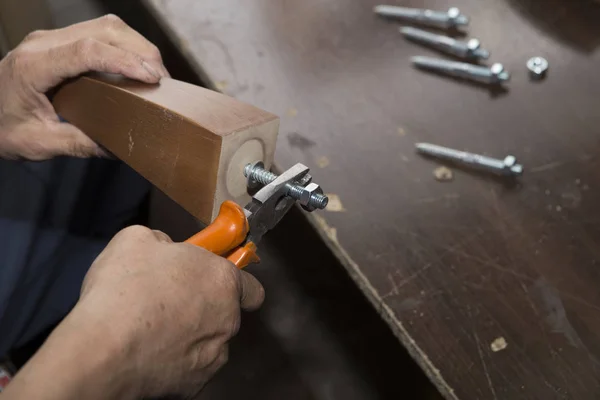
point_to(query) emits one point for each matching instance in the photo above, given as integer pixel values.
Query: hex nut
(537, 67)
(308, 192)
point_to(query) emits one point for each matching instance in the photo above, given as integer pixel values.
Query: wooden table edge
(327, 234)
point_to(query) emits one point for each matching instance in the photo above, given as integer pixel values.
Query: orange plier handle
(225, 235)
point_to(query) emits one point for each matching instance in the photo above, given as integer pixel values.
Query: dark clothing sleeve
(55, 217)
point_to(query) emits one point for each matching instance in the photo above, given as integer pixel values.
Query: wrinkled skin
(29, 126)
(154, 317)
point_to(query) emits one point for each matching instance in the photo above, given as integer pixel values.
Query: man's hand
(154, 318)
(29, 126)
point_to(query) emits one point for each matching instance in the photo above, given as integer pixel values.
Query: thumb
(252, 293)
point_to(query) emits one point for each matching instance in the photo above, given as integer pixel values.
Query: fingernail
(151, 70)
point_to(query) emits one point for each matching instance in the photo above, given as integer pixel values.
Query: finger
(73, 59)
(65, 139)
(113, 30)
(37, 141)
(166, 73)
(252, 293)
(162, 237)
(109, 29)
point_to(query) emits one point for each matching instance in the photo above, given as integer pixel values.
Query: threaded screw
(470, 49)
(508, 166)
(256, 174)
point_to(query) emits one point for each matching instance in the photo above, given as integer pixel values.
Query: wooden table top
(494, 287)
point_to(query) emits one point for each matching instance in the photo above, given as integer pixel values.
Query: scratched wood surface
(493, 287)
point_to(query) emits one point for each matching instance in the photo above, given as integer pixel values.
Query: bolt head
(453, 13)
(510, 164)
(497, 69)
(509, 161)
(473, 44)
(517, 169)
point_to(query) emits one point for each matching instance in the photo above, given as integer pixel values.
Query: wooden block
(190, 142)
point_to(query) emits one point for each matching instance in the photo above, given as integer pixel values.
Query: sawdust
(322, 162)
(221, 85)
(443, 174)
(401, 132)
(292, 112)
(498, 344)
(335, 204)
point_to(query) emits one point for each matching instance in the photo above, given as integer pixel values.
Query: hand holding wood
(190, 142)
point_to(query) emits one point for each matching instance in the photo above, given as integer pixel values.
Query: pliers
(237, 231)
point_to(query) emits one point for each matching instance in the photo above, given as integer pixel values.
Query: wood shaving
(498, 344)
(401, 131)
(292, 112)
(443, 174)
(221, 85)
(322, 162)
(335, 204)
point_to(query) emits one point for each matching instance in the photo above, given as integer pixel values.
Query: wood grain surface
(493, 286)
(190, 142)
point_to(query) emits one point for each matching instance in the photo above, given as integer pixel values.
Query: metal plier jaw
(236, 231)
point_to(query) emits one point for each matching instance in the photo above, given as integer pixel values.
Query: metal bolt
(537, 67)
(492, 75)
(310, 196)
(507, 167)
(470, 49)
(440, 19)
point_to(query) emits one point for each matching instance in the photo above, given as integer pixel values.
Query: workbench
(492, 285)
